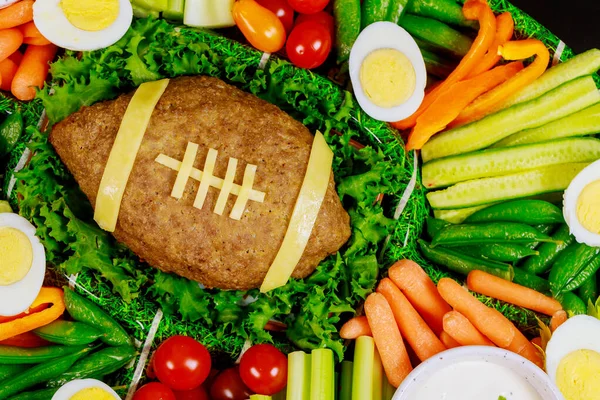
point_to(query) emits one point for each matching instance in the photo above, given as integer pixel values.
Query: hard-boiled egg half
(82, 25)
(22, 264)
(85, 389)
(581, 207)
(573, 358)
(387, 72)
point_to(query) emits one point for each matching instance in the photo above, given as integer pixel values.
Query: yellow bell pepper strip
(450, 103)
(505, 27)
(493, 100)
(47, 295)
(473, 9)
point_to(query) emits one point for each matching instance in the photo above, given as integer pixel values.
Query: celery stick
(571, 97)
(457, 216)
(280, 395)
(298, 384)
(322, 382)
(388, 389)
(175, 10)
(362, 373)
(580, 65)
(345, 386)
(154, 5)
(377, 376)
(260, 397)
(584, 122)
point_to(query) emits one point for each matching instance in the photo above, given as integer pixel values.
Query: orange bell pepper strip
(505, 27)
(26, 340)
(450, 103)
(473, 9)
(47, 295)
(493, 100)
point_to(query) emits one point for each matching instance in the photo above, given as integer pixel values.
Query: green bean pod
(531, 212)
(572, 267)
(549, 251)
(493, 232)
(68, 333)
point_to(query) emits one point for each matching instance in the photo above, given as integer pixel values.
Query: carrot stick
(355, 327)
(472, 10)
(448, 340)
(387, 339)
(421, 292)
(33, 71)
(450, 103)
(413, 328)
(16, 57)
(488, 321)
(463, 331)
(493, 100)
(8, 69)
(505, 27)
(17, 14)
(10, 41)
(510, 292)
(32, 35)
(558, 318)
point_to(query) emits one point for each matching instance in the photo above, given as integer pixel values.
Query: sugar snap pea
(374, 11)
(434, 226)
(19, 355)
(546, 229)
(39, 374)
(531, 281)
(549, 251)
(68, 333)
(347, 24)
(503, 252)
(8, 370)
(83, 310)
(526, 211)
(42, 394)
(572, 267)
(588, 291)
(10, 132)
(572, 304)
(489, 232)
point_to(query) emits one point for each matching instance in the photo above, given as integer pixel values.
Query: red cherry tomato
(229, 386)
(282, 9)
(263, 369)
(260, 26)
(322, 17)
(308, 6)
(154, 391)
(181, 363)
(309, 45)
(195, 394)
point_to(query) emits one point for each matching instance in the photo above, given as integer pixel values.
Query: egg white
(588, 175)
(386, 35)
(577, 333)
(17, 297)
(70, 389)
(52, 22)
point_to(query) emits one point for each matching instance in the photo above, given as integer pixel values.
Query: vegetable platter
(455, 175)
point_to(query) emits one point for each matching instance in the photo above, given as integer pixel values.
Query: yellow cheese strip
(209, 167)
(242, 199)
(304, 216)
(227, 186)
(215, 181)
(124, 151)
(186, 169)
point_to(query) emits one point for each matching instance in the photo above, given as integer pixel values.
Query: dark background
(576, 22)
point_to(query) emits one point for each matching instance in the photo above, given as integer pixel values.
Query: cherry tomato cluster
(269, 25)
(182, 366)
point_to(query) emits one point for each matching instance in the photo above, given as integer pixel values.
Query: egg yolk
(578, 374)
(92, 393)
(588, 207)
(388, 77)
(17, 255)
(91, 15)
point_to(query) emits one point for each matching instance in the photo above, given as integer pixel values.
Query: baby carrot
(473, 9)
(448, 340)
(505, 27)
(387, 339)
(8, 69)
(420, 290)
(417, 333)
(16, 57)
(32, 71)
(32, 35)
(493, 100)
(558, 318)
(17, 14)
(355, 327)
(537, 341)
(510, 292)
(488, 321)
(463, 331)
(10, 41)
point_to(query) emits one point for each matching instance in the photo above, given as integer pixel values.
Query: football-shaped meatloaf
(171, 234)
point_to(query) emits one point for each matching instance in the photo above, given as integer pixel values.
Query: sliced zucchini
(560, 102)
(500, 188)
(447, 171)
(584, 122)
